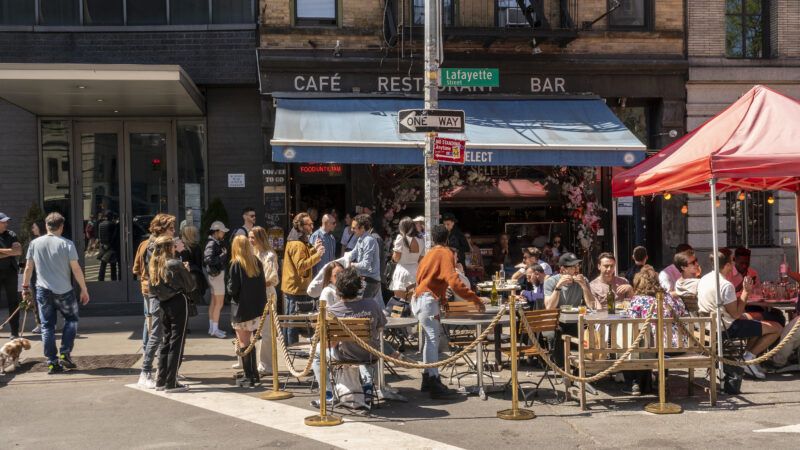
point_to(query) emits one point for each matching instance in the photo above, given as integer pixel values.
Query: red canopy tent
(754, 144)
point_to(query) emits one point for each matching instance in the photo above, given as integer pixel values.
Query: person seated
(534, 292)
(781, 358)
(645, 287)
(686, 262)
(348, 285)
(736, 322)
(558, 247)
(474, 261)
(501, 253)
(639, 260)
(742, 269)
(530, 257)
(567, 288)
(669, 276)
(606, 265)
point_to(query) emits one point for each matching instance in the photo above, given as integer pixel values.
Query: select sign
(431, 120)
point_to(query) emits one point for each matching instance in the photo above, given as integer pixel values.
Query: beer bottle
(610, 299)
(493, 295)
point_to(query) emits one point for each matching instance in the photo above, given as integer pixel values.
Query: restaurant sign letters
(449, 150)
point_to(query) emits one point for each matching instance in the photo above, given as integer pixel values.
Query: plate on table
(569, 310)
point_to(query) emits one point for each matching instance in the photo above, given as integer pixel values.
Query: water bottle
(502, 275)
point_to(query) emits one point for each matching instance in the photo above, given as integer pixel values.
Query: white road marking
(289, 419)
(786, 429)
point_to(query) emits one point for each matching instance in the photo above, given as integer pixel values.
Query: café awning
(100, 90)
(568, 131)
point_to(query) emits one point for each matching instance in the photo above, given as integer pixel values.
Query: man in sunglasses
(686, 262)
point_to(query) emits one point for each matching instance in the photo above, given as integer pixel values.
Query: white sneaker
(178, 388)
(236, 365)
(142, 380)
(755, 370)
(262, 370)
(150, 381)
(37, 330)
(219, 334)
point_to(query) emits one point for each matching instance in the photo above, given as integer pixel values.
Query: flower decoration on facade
(580, 202)
(453, 177)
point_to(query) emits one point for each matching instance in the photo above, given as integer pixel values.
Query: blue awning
(570, 131)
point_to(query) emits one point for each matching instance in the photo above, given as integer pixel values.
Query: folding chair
(305, 323)
(541, 321)
(461, 336)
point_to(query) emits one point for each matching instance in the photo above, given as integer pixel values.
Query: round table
(478, 321)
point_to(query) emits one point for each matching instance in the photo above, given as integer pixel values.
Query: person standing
(248, 290)
(108, 234)
(171, 283)
(215, 259)
(436, 272)
(456, 239)
(10, 248)
(298, 260)
(366, 258)
(248, 222)
(348, 239)
(55, 259)
(269, 261)
(419, 224)
(37, 229)
(161, 225)
(408, 250)
(324, 234)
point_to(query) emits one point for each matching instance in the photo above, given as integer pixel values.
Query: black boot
(426, 382)
(244, 379)
(439, 391)
(255, 378)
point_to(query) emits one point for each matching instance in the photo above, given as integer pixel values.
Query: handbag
(732, 379)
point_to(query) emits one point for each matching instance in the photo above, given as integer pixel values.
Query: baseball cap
(568, 260)
(419, 219)
(218, 226)
(4, 218)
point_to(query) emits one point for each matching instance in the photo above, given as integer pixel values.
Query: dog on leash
(10, 352)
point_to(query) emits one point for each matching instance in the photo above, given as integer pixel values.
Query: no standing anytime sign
(449, 150)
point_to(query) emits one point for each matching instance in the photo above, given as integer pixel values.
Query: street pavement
(103, 408)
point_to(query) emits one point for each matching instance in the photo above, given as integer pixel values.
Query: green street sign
(454, 77)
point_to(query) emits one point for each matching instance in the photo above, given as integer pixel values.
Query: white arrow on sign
(409, 121)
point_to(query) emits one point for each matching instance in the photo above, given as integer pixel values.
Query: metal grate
(749, 218)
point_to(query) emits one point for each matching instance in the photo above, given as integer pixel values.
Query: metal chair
(305, 323)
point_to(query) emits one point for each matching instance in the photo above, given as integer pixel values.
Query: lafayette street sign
(431, 120)
(455, 77)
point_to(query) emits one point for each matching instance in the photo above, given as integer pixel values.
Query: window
(17, 12)
(102, 12)
(58, 12)
(232, 11)
(509, 14)
(315, 12)
(188, 12)
(191, 171)
(631, 14)
(447, 12)
(749, 219)
(147, 12)
(745, 29)
(55, 158)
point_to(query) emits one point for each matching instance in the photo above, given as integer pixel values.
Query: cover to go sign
(449, 150)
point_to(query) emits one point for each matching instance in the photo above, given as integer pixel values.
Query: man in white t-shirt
(736, 323)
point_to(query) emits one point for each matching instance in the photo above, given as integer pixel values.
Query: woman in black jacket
(248, 290)
(170, 282)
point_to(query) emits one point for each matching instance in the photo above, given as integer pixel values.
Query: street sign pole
(432, 24)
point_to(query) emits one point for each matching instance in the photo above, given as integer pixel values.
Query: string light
(667, 196)
(685, 209)
(771, 200)
(742, 196)
(716, 203)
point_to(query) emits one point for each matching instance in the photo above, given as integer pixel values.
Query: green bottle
(610, 300)
(493, 296)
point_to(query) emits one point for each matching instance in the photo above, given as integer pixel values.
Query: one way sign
(431, 120)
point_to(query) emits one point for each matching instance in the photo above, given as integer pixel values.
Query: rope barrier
(732, 362)
(411, 365)
(256, 335)
(282, 346)
(600, 375)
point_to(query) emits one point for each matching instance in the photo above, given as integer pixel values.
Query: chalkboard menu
(274, 180)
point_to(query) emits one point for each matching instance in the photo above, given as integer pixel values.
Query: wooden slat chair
(461, 336)
(603, 337)
(304, 323)
(690, 301)
(337, 334)
(541, 321)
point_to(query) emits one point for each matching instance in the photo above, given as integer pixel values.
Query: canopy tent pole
(797, 228)
(715, 248)
(614, 238)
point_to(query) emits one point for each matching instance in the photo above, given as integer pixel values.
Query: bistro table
(501, 288)
(385, 391)
(479, 321)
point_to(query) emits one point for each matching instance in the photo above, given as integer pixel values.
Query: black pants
(174, 315)
(570, 329)
(8, 284)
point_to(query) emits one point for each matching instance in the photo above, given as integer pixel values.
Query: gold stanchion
(276, 393)
(515, 413)
(323, 419)
(661, 407)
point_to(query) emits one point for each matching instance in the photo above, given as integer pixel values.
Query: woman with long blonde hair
(248, 291)
(170, 283)
(269, 260)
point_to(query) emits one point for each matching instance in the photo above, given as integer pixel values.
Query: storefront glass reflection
(191, 172)
(55, 170)
(148, 156)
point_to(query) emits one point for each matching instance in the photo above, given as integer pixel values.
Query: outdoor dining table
(384, 391)
(479, 321)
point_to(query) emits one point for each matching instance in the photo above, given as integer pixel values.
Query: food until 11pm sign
(461, 77)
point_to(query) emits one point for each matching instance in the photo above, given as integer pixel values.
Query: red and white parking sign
(449, 150)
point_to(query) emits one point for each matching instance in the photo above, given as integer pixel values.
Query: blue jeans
(290, 335)
(154, 339)
(145, 330)
(425, 308)
(49, 305)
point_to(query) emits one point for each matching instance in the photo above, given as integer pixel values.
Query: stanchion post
(661, 407)
(276, 393)
(323, 419)
(515, 413)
